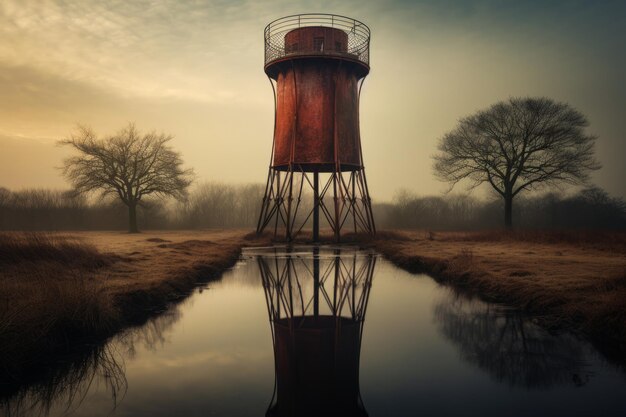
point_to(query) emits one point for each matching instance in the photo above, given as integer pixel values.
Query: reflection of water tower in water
(317, 303)
(316, 65)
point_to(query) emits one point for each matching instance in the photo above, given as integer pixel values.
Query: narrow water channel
(331, 331)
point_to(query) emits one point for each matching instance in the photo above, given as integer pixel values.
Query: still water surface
(424, 350)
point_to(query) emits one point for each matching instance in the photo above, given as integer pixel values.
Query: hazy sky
(195, 69)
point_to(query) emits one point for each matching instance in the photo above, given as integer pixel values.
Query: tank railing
(358, 35)
(339, 22)
(351, 26)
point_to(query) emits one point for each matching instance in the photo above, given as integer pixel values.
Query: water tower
(316, 64)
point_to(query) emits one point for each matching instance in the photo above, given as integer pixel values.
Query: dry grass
(50, 294)
(57, 291)
(589, 239)
(569, 280)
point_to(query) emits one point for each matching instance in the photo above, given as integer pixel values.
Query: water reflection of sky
(425, 351)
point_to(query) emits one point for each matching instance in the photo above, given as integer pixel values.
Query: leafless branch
(517, 145)
(127, 164)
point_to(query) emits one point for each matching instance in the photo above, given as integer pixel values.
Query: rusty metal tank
(318, 70)
(316, 64)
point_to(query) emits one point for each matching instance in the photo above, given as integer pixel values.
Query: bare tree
(518, 145)
(127, 164)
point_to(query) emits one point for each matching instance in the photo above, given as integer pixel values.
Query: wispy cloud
(148, 48)
(200, 50)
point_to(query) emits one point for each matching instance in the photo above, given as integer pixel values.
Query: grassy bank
(568, 280)
(59, 291)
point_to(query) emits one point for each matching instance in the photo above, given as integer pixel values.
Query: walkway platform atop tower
(316, 35)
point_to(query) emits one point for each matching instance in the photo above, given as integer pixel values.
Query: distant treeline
(212, 205)
(209, 205)
(41, 209)
(591, 208)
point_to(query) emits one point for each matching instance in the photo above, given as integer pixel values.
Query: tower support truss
(342, 199)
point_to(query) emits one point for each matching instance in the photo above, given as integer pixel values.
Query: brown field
(61, 290)
(568, 280)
